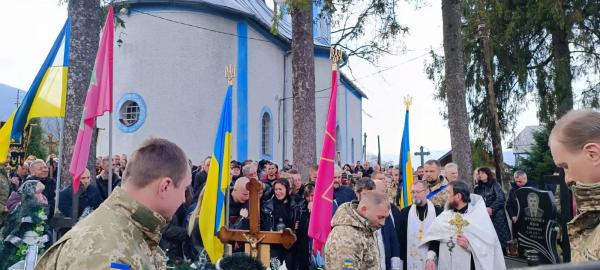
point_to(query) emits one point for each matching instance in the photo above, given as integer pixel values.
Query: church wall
(178, 71)
(265, 89)
(354, 119)
(166, 64)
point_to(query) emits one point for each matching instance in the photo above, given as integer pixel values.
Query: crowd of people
(286, 202)
(448, 224)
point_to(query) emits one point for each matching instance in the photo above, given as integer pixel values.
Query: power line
(199, 27)
(385, 69)
(268, 41)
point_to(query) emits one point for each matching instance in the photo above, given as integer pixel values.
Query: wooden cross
(51, 143)
(459, 223)
(256, 241)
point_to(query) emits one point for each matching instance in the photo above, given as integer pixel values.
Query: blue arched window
(266, 134)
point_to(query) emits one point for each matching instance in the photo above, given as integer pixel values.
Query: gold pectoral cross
(459, 223)
(420, 233)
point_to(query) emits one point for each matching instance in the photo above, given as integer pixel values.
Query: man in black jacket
(341, 194)
(102, 179)
(511, 204)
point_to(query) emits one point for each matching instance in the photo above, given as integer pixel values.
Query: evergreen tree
(480, 154)
(34, 142)
(539, 161)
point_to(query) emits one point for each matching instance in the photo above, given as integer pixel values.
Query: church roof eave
(352, 85)
(257, 11)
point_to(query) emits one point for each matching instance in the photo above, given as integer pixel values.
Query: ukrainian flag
(212, 210)
(405, 164)
(46, 95)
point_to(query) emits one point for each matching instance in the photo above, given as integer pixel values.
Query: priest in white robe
(465, 233)
(412, 222)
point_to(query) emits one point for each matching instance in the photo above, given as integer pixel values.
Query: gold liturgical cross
(459, 223)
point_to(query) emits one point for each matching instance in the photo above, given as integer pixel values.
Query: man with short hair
(102, 179)
(38, 170)
(89, 197)
(272, 174)
(467, 238)
(367, 169)
(238, 209)
(451, 171)
(116, 165)
(437, 183)
(363, 185)
(352, 238)
(124, 232)
(238, 204)
(413, 221)
(575, 146)
(341, 194)
(511, 204)
(250, 170)
(420, 173)
(297, 187)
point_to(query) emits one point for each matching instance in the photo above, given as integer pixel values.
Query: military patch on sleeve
(119, 266)
(348, 264)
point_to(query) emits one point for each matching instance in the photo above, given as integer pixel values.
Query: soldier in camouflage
(575, 145)
(352, 243)
(437, 183)
(125, 230)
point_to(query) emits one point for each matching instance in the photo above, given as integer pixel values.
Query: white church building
(169, 80)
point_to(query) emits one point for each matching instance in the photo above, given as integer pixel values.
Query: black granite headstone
(536, 224)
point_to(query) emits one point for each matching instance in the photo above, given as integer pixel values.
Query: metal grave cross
(422, 154)
(257, 241)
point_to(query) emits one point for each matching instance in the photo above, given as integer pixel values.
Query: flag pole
(230, 76)
(110, 156)
(61, 129)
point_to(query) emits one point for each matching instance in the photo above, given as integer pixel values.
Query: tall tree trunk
(494, 126)
(86, 20)
(458, 120)
(303, 70)
(562, 71)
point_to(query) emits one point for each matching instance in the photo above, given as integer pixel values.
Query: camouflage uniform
(352, 241)
(121, 230)
(584, 229)
(4, 192)
(392, 191)
(439, 199)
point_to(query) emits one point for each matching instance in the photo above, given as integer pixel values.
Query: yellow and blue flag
(406, 164)
(212, 209)
(46, 95)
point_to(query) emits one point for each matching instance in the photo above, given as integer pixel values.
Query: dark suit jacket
(390, 236)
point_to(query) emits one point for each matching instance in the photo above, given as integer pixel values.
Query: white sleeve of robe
(483, 241)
